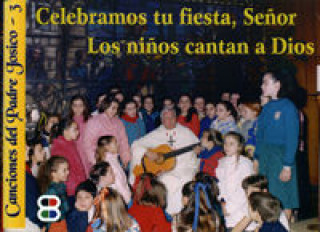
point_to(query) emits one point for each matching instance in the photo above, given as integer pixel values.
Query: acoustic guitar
(165, 161)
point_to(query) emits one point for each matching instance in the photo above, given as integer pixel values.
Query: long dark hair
(98, 170)
(288, 83)
(46, 170)
(106, 103)
(58, 130)
(191, 110)
(86, 112)
(229, 107)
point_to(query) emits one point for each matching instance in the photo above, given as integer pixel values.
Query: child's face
(51, 121)
(119, 97)
(199, 104)
(168, 104)
(225, 97)
(108, 179)
(222, 112)
(231, 146)
(72, 132)
(185, 201)
(78, 107)
(254, 215)
(204, 140)
(248, 114)
(148, 104)
(112, 147)
(137, 99)
(112, 110)
(252, 189)
(62, 173)
(39, 153)
(131, 109)
(184, 103)
(210, 110)
(84, 201)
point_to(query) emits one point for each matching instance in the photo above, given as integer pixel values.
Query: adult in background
(277, 139)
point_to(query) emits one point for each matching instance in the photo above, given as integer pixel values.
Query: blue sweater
(272, 227)
(151, 121)
(32, 195)
(205, 124)
(278, 124)
(77, 221)
(134, 130)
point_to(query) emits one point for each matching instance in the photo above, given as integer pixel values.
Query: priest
(187, 164)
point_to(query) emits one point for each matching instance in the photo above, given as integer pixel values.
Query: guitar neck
(180, 151)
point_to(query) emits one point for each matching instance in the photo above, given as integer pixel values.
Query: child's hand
(256, 166)
(224, 209)
(285, 175)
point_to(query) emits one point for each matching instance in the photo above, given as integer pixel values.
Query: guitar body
(155, 167)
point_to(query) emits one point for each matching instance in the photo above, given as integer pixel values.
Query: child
(149, 201)
(199, 212)
(250, 112)
(106, 123)
(265, 209)
(78, 219)
(80, 113)
(232, 169)
(134, 125)
(277, 139)
(209, 118)
(99, 101)
(168, 102)
(199, 105)
(211, 141)
(111, 214)
(35, 157)
(64, 145)
(46, 133)
(251, 184)
(102, 175)
(52, 176)
(107, 151)
(226, 116)
(150, 117)
(188, 116)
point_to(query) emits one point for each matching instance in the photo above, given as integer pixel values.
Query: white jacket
(230, 173)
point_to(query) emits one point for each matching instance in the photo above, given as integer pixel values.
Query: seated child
(78, 219)
(52, 176)
(265, 209)
(211, 141)
(149, 201)
(107, 150)
(111, 214)
(102, 175)
(200, 201)
(251, 184)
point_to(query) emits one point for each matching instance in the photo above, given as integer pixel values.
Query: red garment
(68, 149)
(193, 125)
(211, 163)
(79, 143)
(150, 218)
(129, 119)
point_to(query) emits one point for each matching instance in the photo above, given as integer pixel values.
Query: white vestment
(187, 163)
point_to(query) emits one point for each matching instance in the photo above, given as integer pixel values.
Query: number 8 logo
(49, 208)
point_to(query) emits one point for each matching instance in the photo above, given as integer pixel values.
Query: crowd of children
(247, 149)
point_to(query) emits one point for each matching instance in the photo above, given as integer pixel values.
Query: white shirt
(186, 167)
(230, 173)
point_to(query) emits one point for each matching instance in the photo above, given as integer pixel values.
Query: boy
(251, 184)
(78, 219)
